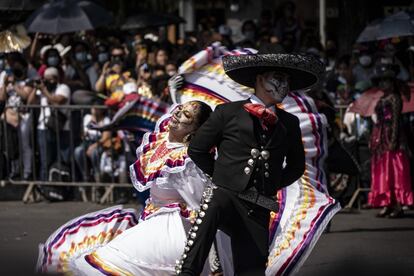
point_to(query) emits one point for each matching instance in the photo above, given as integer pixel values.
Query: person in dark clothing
(254, 139)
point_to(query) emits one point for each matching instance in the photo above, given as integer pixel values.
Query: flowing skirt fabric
(390, 179)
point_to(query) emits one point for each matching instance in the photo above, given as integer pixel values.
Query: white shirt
(3, 75)
(61, 89)
(92, 134)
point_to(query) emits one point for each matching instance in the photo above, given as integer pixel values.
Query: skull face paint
(183, 119)
(276, 85)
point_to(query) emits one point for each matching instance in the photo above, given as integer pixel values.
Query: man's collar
(254, 99)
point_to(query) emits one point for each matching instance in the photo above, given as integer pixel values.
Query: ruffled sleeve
(190, 184)
(150, 168)
(156, 161)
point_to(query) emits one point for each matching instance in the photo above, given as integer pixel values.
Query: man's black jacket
(231, 129)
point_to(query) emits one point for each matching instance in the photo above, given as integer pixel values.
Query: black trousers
(246, 224)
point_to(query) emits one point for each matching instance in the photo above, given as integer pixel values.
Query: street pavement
(358, 243)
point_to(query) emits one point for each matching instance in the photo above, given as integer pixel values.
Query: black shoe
(384, 212)
(399, 213)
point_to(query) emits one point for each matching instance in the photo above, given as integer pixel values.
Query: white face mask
(276, 85)
(365, 60)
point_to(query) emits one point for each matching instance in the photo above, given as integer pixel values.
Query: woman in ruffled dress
(390, 166)
(110, 242)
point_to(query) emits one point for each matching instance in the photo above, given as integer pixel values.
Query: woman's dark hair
(203, 114)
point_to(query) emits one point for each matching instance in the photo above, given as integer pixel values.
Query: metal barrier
(341, 109)
(64, 142)
(42, 147)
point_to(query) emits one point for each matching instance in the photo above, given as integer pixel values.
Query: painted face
(276, 85)
(183, 120)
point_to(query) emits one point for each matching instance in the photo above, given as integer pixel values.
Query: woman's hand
(175, 84)
(105, 68)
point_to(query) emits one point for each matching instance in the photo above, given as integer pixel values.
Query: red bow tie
(266, 115)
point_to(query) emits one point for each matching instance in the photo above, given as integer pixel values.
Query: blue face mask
(103, 57)
(53, 61)
(81, 57)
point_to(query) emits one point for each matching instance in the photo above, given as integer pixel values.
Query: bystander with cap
(53, 121)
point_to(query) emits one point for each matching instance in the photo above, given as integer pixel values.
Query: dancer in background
(390, 166)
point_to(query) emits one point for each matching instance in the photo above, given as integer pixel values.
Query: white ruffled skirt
(149, 248)
(110, 242)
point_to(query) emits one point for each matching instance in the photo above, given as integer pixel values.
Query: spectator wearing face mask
(81, 70)
(114, 74)
(364, 69)
(389, 57)
(18, 124)
(52, 56)
(144, 80)
(17, 90)
(51, 92)
(102, 55)
(18, 66)
(341, 75)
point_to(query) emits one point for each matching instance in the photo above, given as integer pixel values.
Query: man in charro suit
(260, 151)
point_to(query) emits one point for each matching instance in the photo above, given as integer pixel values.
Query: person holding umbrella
(390, 166)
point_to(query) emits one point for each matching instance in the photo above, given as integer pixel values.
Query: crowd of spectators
(96, 68)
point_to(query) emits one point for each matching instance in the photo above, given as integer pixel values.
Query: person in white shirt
(91, 147)
(51, 93)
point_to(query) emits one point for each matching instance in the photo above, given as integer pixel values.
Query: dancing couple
(206, 171)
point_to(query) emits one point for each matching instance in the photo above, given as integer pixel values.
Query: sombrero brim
(303, 71)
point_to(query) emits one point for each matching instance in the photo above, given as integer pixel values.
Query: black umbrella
(370, 32)
(147, 20)
(396, 25)
(67, 16)
(20, 5)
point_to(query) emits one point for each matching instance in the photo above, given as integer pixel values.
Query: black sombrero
(304, 71)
